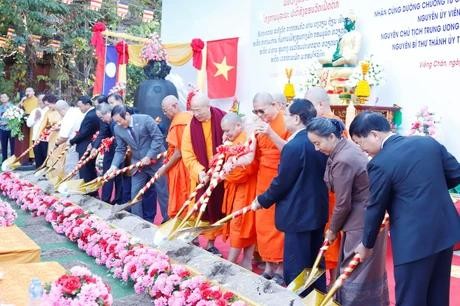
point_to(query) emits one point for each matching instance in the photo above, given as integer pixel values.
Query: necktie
(131, 133)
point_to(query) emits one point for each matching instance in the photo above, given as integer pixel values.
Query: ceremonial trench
(248, 285)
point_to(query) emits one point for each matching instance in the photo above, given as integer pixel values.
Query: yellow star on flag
(223, 68)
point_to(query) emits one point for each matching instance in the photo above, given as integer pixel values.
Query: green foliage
(73, 64)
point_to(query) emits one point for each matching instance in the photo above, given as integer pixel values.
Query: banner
(221, 67)
(110, 69)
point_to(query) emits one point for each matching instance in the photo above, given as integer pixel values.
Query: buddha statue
(348, 46)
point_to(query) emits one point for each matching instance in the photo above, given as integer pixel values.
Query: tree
(72, 64)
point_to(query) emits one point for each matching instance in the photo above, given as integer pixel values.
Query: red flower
(89, 279)
(70, 284)
(228, 295)
(133, 269)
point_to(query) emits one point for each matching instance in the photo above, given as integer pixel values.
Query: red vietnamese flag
(221, 63)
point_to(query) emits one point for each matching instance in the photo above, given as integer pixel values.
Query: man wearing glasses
(271, 137)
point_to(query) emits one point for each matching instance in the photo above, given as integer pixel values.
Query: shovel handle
(115, 173)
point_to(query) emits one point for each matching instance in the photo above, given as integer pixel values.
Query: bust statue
(348, 46)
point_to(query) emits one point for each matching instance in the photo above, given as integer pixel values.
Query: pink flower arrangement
(7, 214)
(150, 270)
(79, 287)
(425, 123)
(153, 50)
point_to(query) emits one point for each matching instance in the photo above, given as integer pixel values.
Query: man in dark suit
(409, 178)
(106, 130)
(88, 127)
(300, 195)
(142, 134)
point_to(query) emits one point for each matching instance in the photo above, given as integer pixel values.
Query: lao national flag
(221, 64)
(110, 69)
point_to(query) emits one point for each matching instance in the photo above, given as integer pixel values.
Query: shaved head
(232, 126)
(169, 100)
(200, 100)
(231, 118)
(317, 95)
(171, 106)
(320, 99)
(200, 107)
(280, 99)
(263, 98)
(265, 107)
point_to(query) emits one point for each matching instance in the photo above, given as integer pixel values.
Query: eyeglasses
(258, 111)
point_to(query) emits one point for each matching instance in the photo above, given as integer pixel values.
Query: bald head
(200, 107)
(265, 107)
(200, 100)
(62, 107)
(280, 99)
(232, 126)
(170, 106)
(320, 99)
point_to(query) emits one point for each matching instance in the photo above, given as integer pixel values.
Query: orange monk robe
(29, 105)
(270, 241)
(332, 254)
(178, 178)
(193, 165)
(240, 191)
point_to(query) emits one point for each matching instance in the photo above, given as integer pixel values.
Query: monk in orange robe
(199, 143)
(240, 190)
(271, 137)
(320, 99)
(178, 178)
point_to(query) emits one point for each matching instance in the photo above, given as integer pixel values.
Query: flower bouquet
(155, 55)
(79, 287)
(15, 118)
(425, 123)
(7, 214)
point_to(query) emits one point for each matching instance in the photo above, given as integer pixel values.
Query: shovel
(64, 185)
(318, 298)
(100, 181)
(308, 276)
(12, 162)
(118, 208)
(57, 161)
(190, 233)
(165, 230)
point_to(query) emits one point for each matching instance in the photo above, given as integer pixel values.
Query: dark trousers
(126, 189)
(300, 250)
(40, 152)
(88, 171)
(424, 282)
(5, 136)
(108, 188)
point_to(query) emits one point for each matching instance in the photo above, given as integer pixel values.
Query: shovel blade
(69, 187)
(165, 230)
(10, 163)
(304, 280)
(315, 298)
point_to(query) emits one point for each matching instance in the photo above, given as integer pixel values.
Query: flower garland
(127, 259)
(425, 123)
(79, 287)
(7, 214)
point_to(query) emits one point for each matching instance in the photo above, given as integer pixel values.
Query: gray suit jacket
(148, 140)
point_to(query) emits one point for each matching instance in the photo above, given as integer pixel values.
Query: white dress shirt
(35, 124)
(71, 123)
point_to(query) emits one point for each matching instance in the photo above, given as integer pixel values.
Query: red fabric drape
(197, 47)
(122, 50)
